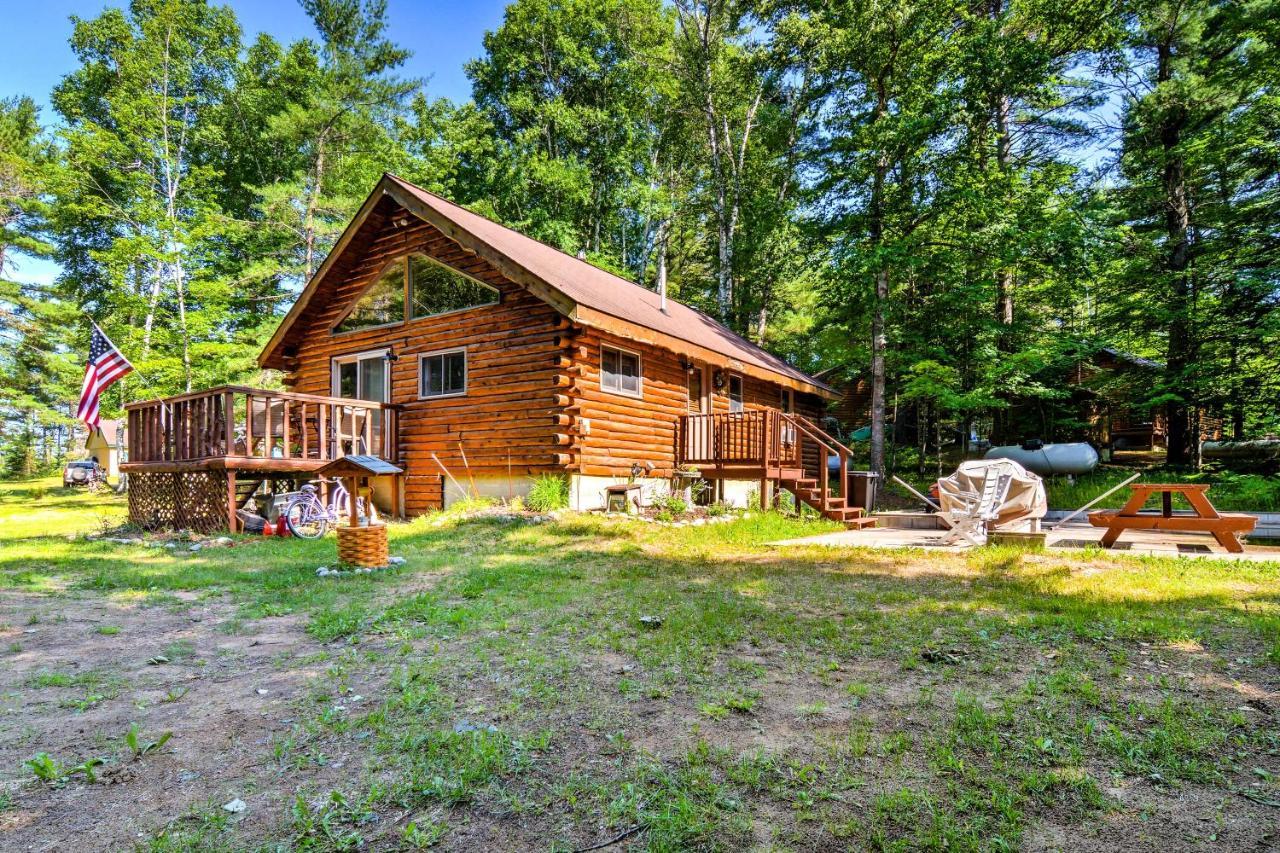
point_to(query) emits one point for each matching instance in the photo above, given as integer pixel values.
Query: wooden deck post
(229, 423)
(353, 499)
(231, 500)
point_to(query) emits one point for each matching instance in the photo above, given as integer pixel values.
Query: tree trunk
(313, 200)
(1001, 111)
(879, 340)
(1181, 334)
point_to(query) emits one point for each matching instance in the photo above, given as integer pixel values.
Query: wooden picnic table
(1203, 518)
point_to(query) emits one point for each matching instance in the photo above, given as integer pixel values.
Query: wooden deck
(252, 429)
(780, 449)
(195, 459)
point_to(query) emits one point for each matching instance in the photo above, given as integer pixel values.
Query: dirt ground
(225, 698)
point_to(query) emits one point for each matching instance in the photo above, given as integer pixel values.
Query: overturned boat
(1049, 460)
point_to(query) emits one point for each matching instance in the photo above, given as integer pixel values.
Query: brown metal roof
(581, 283)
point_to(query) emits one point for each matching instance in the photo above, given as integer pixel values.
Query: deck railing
(763, 438)
(757, 437)
(240, 422)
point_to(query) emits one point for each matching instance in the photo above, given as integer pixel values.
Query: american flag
(105, 366)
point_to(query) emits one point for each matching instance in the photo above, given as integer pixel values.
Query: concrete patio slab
(1069, 537)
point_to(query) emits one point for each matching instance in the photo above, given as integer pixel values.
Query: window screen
(443, 374)
(619, 371)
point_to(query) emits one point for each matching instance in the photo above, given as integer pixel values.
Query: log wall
(504, 422)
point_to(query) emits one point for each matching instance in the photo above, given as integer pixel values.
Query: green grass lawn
(553, 686)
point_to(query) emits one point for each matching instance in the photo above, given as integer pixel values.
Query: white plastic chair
(971, 521)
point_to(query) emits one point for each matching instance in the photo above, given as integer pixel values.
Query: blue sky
(34, 54)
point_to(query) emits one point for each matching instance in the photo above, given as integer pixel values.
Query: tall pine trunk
(1181, 346)
(879, 339)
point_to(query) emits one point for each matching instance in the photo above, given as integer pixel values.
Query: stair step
(861, 523)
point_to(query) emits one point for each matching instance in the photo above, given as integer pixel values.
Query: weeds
(547, 493)
(139, 747)
(50, 771)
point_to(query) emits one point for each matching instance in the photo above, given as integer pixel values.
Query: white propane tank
(1049, 460)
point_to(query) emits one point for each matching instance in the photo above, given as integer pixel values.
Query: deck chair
(970, 522)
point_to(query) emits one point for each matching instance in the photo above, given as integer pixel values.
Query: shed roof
(586, 293)
(359, 466)
(109, 429)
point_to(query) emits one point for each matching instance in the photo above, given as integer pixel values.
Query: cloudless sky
(443, 35)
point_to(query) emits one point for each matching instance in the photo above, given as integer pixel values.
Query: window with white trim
(735, 392)
(442, 374)
(620, 371)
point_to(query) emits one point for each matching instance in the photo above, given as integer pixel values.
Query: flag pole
(151, 388)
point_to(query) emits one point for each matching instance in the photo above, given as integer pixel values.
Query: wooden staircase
(808, 492)
(245, 490)
(785, 449)
(816, 491)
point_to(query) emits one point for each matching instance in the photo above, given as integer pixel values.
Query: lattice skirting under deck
(185, 500)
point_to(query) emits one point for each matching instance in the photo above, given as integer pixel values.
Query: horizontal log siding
(504, 421)
(626, 430)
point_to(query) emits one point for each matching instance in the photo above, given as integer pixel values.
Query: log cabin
(476, 359)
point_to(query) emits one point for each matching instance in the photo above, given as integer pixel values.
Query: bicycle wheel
(305, 518)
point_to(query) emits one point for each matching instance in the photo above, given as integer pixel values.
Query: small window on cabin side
(788, 401)
(436, 289)
(442, 374)
(381, 305)
(620, 371)
(735, 393)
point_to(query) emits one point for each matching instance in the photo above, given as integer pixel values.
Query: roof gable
(580, 290)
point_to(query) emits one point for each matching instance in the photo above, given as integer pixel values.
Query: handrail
(829, 445)
(754, 437)
(836, 444)
(261, 392)
(236, 421)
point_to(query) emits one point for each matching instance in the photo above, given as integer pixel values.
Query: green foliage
(139, 747)
(547, 492)
(919, 186)
(45, 767)
(50, 771)
(670, 504)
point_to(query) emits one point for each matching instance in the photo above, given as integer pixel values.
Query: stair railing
(827, 446)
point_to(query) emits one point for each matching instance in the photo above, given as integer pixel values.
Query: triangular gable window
(381, 305)
(437, 289)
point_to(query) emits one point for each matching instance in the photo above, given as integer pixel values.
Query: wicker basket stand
(363, 547)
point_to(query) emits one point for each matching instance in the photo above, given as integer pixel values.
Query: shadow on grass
(719, 571)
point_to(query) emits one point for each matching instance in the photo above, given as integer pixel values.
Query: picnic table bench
(1203, 518)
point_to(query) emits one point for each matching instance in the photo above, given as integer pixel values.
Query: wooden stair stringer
(807, 491)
